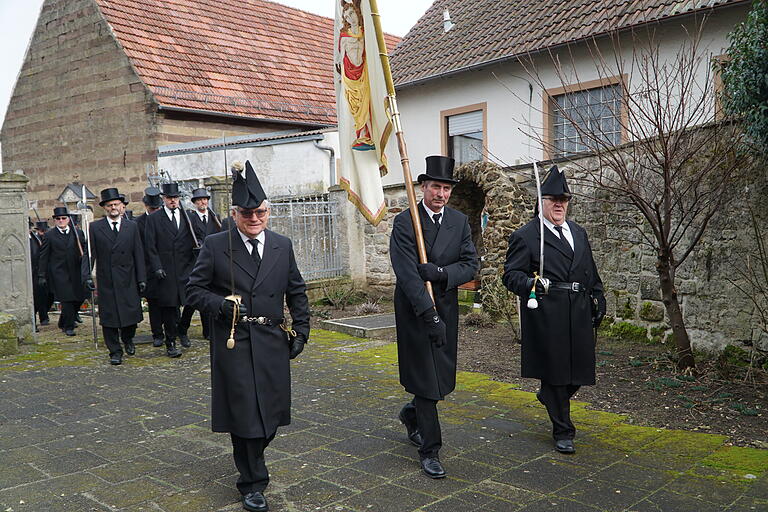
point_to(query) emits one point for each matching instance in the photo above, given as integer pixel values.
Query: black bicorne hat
(554, 184)
(110, 194)
(439, 168)
(60, 211)
(247, 192)
(152, 197)
(42, 225)
(200, 193)
(170, 189)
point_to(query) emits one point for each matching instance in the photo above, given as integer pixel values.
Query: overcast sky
(18, 19)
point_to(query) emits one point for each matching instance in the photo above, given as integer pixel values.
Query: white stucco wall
(505, 90)
(284, 167)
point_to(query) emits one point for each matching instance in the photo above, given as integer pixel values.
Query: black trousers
(67, 317)
(249, 460)
(170, 317)
(155, 318)
(557, 400)
(186, 319)
(113, 336)
(40, 297)
(424, 412)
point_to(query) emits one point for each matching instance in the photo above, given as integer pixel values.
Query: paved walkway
(79, 435)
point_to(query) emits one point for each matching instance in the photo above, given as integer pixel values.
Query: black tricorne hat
(247, 192)
(42, 225)
(152, 197)
(60, 211)
(200, 193)
(554, 184)
(439, 168)
(110, 194)
(170, 189)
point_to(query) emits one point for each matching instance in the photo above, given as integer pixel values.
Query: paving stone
(623, 473)
(749, 504)
(478, 493)
(308, 493)
(71, 462)
(612, 497)
(388, 498)
(712, 490)
(352, 479)
(542, 475)
(132, 492)
(127, 470)
(557, 505)
(16, 474)
(667, 501)
(387, 465)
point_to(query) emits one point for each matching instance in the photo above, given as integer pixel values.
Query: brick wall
(78, 108)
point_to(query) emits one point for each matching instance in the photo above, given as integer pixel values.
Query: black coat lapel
(579, 245)
(240, 254)
(445, 233)
(272, 253)
(428, 228)
(551, 239)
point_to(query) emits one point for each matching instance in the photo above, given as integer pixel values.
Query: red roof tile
(252, 58)
(488, 31)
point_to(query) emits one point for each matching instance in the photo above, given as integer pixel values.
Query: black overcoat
(426, 370)
(60, 261)
(171, 250)
(251, 383)
(119, 260)
(203, 230)
(152, 289)
(39, 293)
(558, 344)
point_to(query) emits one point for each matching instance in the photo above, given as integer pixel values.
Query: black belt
(261, 320)
(571, 287)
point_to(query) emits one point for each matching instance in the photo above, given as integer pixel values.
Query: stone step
(369, 326)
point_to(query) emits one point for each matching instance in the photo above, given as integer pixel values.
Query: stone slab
(371, 326)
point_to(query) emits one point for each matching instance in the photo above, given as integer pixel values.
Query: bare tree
(675, 164)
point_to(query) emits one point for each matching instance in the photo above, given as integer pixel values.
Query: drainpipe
(332, 162)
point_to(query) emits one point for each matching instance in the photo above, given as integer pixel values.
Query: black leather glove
(598, 311)
(142, 286)
(436, 331)
(227, 310)
(431, 272)
(42, 282)
(540, 290)
(297, 346)
(90, 284)
(160, 274)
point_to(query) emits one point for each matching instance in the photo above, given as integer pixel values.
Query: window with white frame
(581, 118)
(465, 136)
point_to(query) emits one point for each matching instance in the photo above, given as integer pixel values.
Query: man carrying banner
(558, 346)
(427, 331)
(117, 252)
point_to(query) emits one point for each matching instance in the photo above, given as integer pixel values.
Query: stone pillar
(350, 230)
(219, 187)
(15, 267)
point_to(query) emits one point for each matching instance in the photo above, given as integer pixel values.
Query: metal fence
(311, 223)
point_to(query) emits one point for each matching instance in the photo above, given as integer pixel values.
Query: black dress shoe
(130, 348)
(432, 467)
(185, 341)
(45, 322)
(255, 502)
(564, 446)
(414, 436)
(116, 360)
(157, 342)
(171, 350)
(69, 332)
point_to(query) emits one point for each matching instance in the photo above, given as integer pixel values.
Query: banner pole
(404, 161)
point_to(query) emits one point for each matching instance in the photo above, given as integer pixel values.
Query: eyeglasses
(560, 199)
(260, 213)
(60, 218)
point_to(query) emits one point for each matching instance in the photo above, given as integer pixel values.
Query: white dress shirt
(260, 237)
(566, 231)
(111, 222)
(203, 215)
(176, 214)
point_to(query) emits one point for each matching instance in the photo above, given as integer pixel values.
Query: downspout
(332, 164)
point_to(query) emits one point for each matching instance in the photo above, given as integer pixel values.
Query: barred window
(596, 112)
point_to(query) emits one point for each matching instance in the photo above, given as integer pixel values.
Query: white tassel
(533, 303)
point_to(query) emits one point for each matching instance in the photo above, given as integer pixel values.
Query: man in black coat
(251, 380)
(558, 345)
(204, 222)
(120, 274)
(427, 331)
(60, 258)
(39, 293)
(152, 202)
(170, 250)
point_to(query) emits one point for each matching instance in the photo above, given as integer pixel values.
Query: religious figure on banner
(353, 69)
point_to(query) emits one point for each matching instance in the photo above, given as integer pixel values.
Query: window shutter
(469, 122)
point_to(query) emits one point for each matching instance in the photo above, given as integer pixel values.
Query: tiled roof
(251, 58)
(488, 31)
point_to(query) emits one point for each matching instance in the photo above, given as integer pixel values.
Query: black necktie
(205, 220)
(436, 219)
(563, 241)
(114, 227)
(173, 220)
(255, 252)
